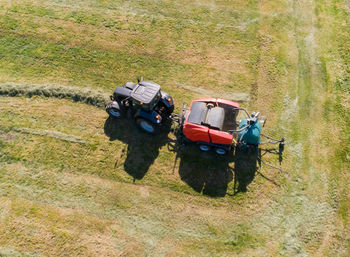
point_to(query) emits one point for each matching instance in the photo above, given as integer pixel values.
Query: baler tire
(204, 148)
(220, 151)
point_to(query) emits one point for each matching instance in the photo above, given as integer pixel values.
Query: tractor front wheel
(147, 126)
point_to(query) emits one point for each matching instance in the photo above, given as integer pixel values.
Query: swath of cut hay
(52, 134)
(85, 95)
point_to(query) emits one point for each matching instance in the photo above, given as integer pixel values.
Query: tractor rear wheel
(147, 126)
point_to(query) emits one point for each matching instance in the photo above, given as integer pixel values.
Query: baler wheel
(204, 148)
(220, 151)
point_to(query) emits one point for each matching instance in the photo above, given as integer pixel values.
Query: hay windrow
(85, 95)
(53, 134)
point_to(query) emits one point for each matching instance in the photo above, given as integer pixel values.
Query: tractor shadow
(141, 150)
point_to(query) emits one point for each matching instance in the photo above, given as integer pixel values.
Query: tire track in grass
(311, 91)
(298, 219)
(305, 224)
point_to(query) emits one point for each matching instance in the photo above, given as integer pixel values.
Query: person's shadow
(142, 148)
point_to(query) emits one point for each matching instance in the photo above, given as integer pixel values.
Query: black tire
(148, 126)
(114, 111)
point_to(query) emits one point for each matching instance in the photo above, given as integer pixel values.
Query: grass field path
(302, 219)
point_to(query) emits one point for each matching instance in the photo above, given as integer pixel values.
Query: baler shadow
(211, 174)
(206, 173)
(142, 149)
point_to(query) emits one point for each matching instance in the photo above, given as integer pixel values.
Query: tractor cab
(146, 95)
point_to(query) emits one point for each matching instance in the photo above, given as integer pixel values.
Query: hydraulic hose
(273, 139)
(238, 130)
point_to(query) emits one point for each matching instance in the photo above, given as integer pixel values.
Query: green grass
(73, 182)
(337, 52)
(122, 53)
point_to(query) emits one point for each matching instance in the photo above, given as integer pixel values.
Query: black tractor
(144, 102)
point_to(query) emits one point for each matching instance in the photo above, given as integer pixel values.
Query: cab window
(137, 104)
(156, 99)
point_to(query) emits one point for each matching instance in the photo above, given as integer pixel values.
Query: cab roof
(145, 91)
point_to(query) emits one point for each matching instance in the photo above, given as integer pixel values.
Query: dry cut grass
(85, 95)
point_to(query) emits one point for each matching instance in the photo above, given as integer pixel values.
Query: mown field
(73, 182)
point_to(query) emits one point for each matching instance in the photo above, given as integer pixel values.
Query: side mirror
(138, 80)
